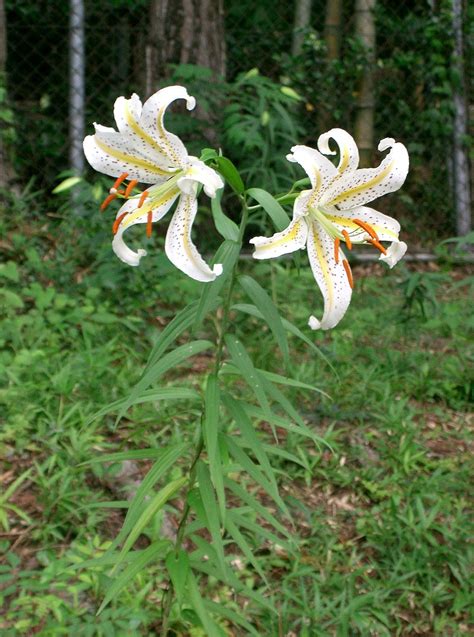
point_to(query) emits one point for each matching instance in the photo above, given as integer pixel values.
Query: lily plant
(334, 211)
(227, 450)
(143, 151)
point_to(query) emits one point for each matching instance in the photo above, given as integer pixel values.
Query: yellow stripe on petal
(130, 159)
(150, 204)
(141, 133)
(291, 236)
(324, 265)
(365, 186)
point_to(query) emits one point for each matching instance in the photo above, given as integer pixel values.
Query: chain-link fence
(415, 77)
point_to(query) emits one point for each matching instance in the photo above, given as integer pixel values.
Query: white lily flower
(142, 150)
(334, 211)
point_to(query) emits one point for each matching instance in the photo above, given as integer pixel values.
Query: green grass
(381, 512)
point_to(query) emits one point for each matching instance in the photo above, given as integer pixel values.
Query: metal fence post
(76, 85)
(462, 198)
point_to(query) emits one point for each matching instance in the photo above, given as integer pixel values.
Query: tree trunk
(332, 29)
(302, 22)
(364, 120)
(184, 32)
(6, 172)
(462, 197)
(332, 38)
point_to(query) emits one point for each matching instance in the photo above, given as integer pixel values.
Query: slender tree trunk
(184, 32)
(302, 21)
(332, 38)
(364, 120)
(6, 172)
(462, 195)
(332, 29)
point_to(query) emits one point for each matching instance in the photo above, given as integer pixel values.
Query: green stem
(168, 598)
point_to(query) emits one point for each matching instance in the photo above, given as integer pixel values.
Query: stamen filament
(107, 201)
(149, 223)
(368, 228)
(118, 221)
(119, 180)
(348, 270)
(143, 196)
(336, 249)
(347, 239)
(378, 245)
(130, 187)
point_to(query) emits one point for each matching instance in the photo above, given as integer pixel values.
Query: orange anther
(347, 239)
(368, 228)
(348, 270)
(107, 202)
(336, 250)
(149, 223)
(130, 187)
(378, 245)
(118, 221)
(143, 196)
(119, 180)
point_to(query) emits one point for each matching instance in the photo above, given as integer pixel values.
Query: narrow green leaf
(244, 363)
(227, 255)
(137, 565)
(256, 506)
(243, 545)
(225, 226)
(180, 323)
(135, 454)
(291, 382)
(210, 507)
(152, 509)
(269, 312)
(67, 184)
(250, 436)
(147, 396)
(271, 206)
(230, 174)
(168, 458)
(245, 522)
(290, 327)
(255, 473)
(168, 361)
(220, 609)
(198, 605)
(211, 439)
(284, 423)
(178, 569)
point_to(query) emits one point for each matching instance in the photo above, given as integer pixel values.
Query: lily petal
(318, 168)
(386, 227)
(112, 153)
(366, 184)
(152, 123)
(179, 247)
(330, 276)
(349, 153)
(394, 253)
(127, 114)
(197, 171)
(158, 207)
(289, 240)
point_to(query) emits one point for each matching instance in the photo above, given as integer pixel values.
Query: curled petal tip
(190, 102)
(385, 143)
(313, 323)
(291, 157)
(395, 252)
(218, 269)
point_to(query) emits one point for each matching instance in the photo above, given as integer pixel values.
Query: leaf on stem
(271, 206)
(225, 226)
(211, 439)
(230, 174)
(269, 312)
